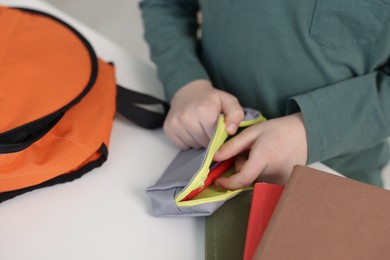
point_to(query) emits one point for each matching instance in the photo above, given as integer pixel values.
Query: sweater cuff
(313, 125)
(345, 117)
(181, 78)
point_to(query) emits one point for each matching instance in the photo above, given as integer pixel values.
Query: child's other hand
(194, 111)
(265, 152)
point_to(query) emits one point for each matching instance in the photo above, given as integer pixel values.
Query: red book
(264, 200)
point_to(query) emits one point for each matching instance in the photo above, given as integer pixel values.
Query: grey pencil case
(181, 190)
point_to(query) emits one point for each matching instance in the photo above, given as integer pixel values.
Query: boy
(318, 70)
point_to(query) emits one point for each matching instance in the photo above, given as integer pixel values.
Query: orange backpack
(58, 103)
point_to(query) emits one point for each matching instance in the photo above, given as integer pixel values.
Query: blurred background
(118, 20)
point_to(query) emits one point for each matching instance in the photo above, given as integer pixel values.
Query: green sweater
(328, 59)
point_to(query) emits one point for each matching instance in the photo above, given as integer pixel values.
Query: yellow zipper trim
(219, 137)
(229, 194)
(257, 120)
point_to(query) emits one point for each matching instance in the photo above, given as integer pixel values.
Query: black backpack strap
(131, 104)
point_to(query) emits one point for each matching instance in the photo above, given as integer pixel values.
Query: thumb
(233, 111)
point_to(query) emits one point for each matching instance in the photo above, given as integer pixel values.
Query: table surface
(105, 214)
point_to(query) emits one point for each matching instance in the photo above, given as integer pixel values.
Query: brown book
(323, 216)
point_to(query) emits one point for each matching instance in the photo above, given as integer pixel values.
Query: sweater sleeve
(171, 32)
(347, 116)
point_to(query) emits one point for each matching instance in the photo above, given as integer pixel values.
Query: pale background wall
(120, 21)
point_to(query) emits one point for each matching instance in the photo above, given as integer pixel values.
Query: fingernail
(231, 129)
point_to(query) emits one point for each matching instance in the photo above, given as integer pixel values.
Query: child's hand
(266, 152)
(194, 112)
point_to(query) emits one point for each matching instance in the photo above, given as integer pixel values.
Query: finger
(239, 161)
(234, 113)
(181, 138)
(209, 127)
(250, 171)
(189, 139)
(237, 144)
(178, 142)
(200, 135)
(172, 135)
(185, 134)
(194, 134)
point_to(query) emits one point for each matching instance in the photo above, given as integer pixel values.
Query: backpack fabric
(58, 103)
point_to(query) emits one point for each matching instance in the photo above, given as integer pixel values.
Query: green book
(226, 229)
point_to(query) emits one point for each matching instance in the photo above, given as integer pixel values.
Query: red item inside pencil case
(214, 173)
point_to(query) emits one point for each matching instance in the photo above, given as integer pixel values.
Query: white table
(105, 214)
